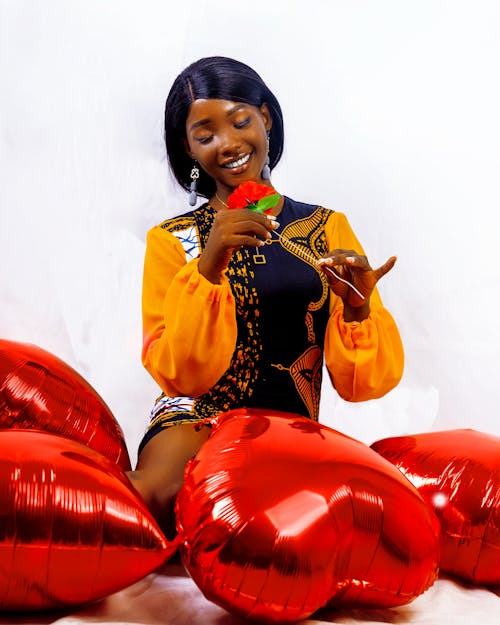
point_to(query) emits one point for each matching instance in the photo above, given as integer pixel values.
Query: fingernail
(350, 259)
(275, 224)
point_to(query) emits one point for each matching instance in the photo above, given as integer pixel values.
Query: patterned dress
(282, 307)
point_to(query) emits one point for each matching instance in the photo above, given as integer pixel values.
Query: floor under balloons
(170, 597)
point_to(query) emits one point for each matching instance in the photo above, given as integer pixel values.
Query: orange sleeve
(364, 359)
(189, 324)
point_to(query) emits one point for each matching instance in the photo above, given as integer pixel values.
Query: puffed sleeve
(189, 324)
(364, 359)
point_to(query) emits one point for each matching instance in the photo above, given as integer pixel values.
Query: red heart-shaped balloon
(73, 529)
(41, 392)
(280, 515)
(458, 473)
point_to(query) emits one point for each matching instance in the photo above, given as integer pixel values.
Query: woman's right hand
(231, 230)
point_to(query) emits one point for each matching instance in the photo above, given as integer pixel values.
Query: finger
(335, 276)
(249, 241)
(360, 262)
(339, 252)
(334, 272)
(244, 214)
(336, 281)
(385, 268)
(252, 228)
(331, 273)
(268, 221)
(345, 258)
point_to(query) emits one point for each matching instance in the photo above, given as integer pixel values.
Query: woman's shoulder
(308, 209)
(180, 231)
(183, 221)
(300, 210)
(174, 224)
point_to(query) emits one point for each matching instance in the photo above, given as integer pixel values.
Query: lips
(240, 162)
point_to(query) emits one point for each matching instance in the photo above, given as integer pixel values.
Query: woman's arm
(364, 358)
(189, 324)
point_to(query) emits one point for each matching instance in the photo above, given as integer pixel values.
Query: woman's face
(229, 140)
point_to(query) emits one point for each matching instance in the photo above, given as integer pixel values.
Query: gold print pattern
(178, 223)
(237, 382)
(311, 336)
(305, 238)
(306, 375)
(259, 259)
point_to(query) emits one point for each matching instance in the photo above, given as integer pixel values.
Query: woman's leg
(160, 470)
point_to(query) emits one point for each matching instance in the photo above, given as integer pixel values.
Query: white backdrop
(391, 112)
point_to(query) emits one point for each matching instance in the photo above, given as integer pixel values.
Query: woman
(239, 307)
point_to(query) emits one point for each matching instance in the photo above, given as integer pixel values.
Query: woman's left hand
(355, 269)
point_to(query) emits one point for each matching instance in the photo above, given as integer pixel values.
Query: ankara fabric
(258, 339)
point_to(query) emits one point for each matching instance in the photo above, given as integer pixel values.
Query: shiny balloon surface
(458, 473)
(72, 527)
(39, 391)
(280, 515)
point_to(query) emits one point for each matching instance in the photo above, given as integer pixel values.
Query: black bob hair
(222, 78)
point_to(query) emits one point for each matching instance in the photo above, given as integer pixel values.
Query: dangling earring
(195, 174)
(266, 170)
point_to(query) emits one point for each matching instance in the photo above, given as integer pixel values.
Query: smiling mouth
(239, 163)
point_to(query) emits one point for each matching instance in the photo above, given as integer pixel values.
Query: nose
(230, 142)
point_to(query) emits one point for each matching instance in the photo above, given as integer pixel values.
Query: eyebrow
(204, 122)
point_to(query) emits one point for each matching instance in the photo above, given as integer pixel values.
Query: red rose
(247, 194)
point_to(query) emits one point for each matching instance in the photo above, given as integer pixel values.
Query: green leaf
(267, 202)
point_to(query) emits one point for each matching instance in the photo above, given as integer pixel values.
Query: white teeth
(241, 161)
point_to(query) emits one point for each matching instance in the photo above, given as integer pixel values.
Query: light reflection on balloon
(280, 516)
(72, 527)
(458, 473)
(39, 391)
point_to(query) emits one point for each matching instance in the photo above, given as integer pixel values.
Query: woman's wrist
(215, 277)
(356, 313)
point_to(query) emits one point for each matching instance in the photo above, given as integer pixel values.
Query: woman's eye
(243, 123)
(204, 139)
